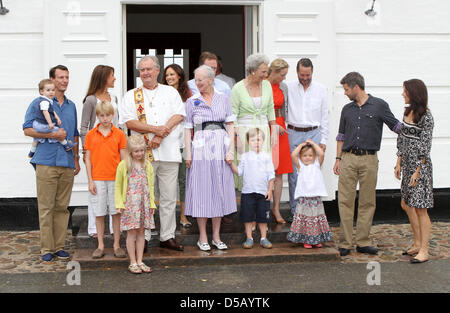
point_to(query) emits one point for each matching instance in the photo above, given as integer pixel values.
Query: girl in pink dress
(134, 198)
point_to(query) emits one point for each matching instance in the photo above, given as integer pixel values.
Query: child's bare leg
(248, 229)
(131, 245)
(140, 242)
(116, 229)
(263, 229)
(100, 224)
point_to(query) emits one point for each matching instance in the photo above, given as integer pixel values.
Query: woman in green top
(252, 103)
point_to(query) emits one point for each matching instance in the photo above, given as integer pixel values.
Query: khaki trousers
(354, 169)
(166, 175)
(54, 188)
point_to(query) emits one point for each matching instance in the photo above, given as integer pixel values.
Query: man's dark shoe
(343, 251)
(62, 255)
(47, 257)
(368, 250)
(171, 244)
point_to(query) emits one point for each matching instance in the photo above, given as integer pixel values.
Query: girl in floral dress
(134, 198)
(310, 225)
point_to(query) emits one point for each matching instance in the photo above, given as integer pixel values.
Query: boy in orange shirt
(105, 147)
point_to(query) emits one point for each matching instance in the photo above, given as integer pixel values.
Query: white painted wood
(81, 35)
(296, 29)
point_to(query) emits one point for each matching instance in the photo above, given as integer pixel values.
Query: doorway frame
(258, 7)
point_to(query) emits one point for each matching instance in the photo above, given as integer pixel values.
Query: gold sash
(140, 109)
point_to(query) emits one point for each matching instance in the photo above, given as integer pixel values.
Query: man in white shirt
(220, 75)
(307, 116)
(164, 111)
(210, 59)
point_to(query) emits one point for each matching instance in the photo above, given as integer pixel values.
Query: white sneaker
(203, 246)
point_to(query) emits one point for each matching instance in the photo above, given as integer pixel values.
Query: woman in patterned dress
(209, 182)
(281, 155)
(414, 166)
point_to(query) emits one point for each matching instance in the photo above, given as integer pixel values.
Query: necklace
(250, 89)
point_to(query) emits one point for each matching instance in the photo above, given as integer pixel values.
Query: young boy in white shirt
(258, 173)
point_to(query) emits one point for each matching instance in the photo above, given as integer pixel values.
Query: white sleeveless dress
(310, 225)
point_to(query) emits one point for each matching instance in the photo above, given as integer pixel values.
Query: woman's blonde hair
(135, 142)
(277, 65)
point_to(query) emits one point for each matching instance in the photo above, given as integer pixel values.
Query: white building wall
(407, 39)
(21, 69)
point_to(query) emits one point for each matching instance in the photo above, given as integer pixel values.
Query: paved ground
(22, 271)
(324, 277)
(19, 251)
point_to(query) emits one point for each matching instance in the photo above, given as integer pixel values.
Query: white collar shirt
(257, 171)
(308, 108)
(165, 103)
(219, 85)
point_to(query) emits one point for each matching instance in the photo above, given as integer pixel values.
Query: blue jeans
(296, 138)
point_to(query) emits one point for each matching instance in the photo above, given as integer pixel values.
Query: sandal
(145, 268)
(97, 254)
(134, 268)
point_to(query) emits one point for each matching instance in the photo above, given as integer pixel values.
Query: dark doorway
(182, 32)
(139, 44)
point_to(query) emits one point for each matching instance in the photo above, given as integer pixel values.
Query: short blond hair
(45, 82)
(104, 107)
(255, 132)
(277, 65)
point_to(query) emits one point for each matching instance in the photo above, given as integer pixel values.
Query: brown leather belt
(300, 129)
(278, 113)
(361, 151)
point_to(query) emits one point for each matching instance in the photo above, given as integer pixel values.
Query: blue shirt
(53, 154)
(218, 85)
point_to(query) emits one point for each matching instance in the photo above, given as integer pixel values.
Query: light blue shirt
(53, 154)
(257, 171)
(219, 85)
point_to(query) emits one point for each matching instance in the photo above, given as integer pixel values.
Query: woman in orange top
(281, 155)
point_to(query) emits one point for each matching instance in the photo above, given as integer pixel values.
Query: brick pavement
(19, 251)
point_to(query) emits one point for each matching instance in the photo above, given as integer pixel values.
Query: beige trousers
(166, 175)
(354, 169)
(54, 188)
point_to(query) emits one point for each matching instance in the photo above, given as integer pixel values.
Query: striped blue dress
(209, 182)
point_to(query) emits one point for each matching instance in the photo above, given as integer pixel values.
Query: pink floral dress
(137, 206)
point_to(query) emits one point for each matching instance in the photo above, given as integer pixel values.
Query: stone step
(192, 256)
(230, 234)
(79, 218)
